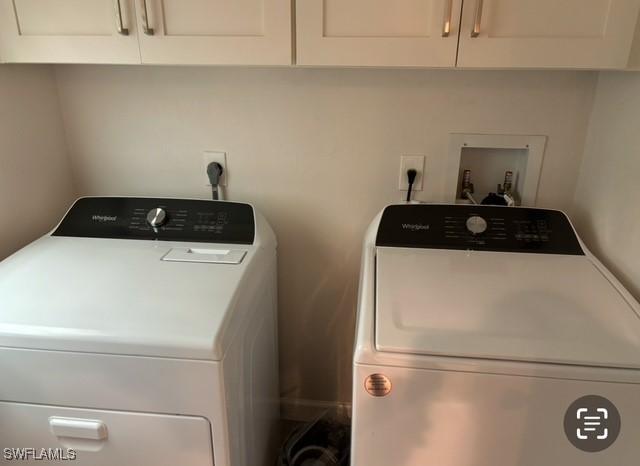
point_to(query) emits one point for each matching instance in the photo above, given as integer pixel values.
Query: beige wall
(317, 151)
(608, 192)
(35, 177)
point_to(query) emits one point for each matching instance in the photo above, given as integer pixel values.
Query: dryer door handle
(78, 428)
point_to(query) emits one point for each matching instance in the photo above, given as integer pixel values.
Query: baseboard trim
(301, 410)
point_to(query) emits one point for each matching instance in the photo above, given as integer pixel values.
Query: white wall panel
(35, 176)
(608, 191)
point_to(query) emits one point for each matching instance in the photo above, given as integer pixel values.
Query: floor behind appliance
(143, 331)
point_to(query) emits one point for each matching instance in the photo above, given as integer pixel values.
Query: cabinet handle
(478, 19)
(123, 31)
(446, 24)
(145, 19)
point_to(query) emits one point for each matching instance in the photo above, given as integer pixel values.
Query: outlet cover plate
(408, 162)
(213, 156)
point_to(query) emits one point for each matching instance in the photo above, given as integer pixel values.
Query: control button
(476, 224)
(157, 217)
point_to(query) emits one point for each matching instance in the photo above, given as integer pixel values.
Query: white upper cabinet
(589, 34)
(68, 31)
(377, 32)
(547, 33)
(253, 32)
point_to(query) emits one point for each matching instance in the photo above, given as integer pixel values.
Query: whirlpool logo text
(104, 218)
(415, 226)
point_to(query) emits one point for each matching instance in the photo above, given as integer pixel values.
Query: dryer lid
(120, 297)
(506, 306)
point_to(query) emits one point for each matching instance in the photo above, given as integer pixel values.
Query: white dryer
(490, 336)
(142, 331)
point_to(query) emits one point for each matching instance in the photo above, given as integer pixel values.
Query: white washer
(478, 328)
(142, 331)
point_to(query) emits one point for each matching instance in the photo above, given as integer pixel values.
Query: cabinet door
(410, 33)
(68, 31)
(547, 33)
(252, 32)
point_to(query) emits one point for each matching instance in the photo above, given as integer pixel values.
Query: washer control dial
(157, 217)
(476, 224)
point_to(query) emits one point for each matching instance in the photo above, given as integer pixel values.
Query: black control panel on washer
(160, 219)
(482, 228)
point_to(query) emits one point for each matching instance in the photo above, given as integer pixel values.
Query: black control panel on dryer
(160, 219)
(482, 228)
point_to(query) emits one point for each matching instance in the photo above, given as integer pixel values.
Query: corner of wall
(36, 178)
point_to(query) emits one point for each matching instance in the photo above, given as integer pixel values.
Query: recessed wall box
(489, 157)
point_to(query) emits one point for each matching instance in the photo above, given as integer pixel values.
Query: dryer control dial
(157, 217)
(476, 224)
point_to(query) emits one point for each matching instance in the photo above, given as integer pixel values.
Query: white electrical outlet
(407, 162)
(221, 158)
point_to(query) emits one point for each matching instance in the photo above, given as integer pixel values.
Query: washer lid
(509, 306)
